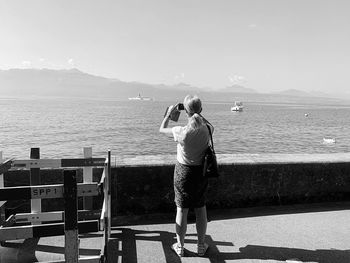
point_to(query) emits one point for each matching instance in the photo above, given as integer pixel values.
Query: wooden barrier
(35, 180)
(93, 221)
(2, 203)
(87, 178)
(71, 246)
(4, 167)
(1, 173)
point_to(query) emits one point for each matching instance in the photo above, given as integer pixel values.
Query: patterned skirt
(190, 186)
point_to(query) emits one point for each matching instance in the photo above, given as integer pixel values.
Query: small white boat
(238, 106)
(329, 140)
(139, 97)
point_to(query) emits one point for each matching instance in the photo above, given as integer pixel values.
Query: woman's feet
(202, 249)
(178, 249)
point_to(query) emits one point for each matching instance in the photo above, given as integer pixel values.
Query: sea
(61, 127)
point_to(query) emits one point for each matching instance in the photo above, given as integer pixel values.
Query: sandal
(178, 249)
(202, 249)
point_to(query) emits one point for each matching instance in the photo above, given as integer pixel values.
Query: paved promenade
(306, 233)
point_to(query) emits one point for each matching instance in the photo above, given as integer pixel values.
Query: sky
(265, 45)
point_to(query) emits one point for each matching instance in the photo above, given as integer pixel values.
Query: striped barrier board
(58, 163)
(4, 167)
(109, 196)
(54, 216)
(45, 230)
(45, 191)
(103, 211)
(106, 210)
(83, 162)
(103, 215)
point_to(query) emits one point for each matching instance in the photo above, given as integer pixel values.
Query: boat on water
(329, 140)
(238, 106)
(139, 97)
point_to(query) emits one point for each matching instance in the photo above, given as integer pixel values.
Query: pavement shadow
(127, 251)
(128, 238)
(25, 251)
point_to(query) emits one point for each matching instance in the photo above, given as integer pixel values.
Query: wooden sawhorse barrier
(70, 190)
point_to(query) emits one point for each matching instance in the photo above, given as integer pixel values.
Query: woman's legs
(181, 224)
(201, 223)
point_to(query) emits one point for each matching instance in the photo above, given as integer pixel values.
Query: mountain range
(75, 83)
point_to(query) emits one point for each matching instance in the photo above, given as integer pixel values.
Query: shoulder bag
(210, 165)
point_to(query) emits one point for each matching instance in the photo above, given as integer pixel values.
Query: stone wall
(144, 184)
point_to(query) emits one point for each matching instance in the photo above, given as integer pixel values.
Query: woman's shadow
(296, 254)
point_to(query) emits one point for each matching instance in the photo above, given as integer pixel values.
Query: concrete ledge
(226, 159)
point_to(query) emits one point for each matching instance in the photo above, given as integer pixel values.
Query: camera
(175, 114)
(180, 106)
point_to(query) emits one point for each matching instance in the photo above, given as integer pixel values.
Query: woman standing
(190, 186)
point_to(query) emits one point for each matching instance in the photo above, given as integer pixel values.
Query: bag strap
(211, 137)
(208, 124)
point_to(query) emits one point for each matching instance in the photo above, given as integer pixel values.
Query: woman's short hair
(192, 104)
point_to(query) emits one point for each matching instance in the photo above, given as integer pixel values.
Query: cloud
(46, 63)
(42, 63)
(26, 63)
(180, 76)
(236, 79)
(71, 62)
(253, 26)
